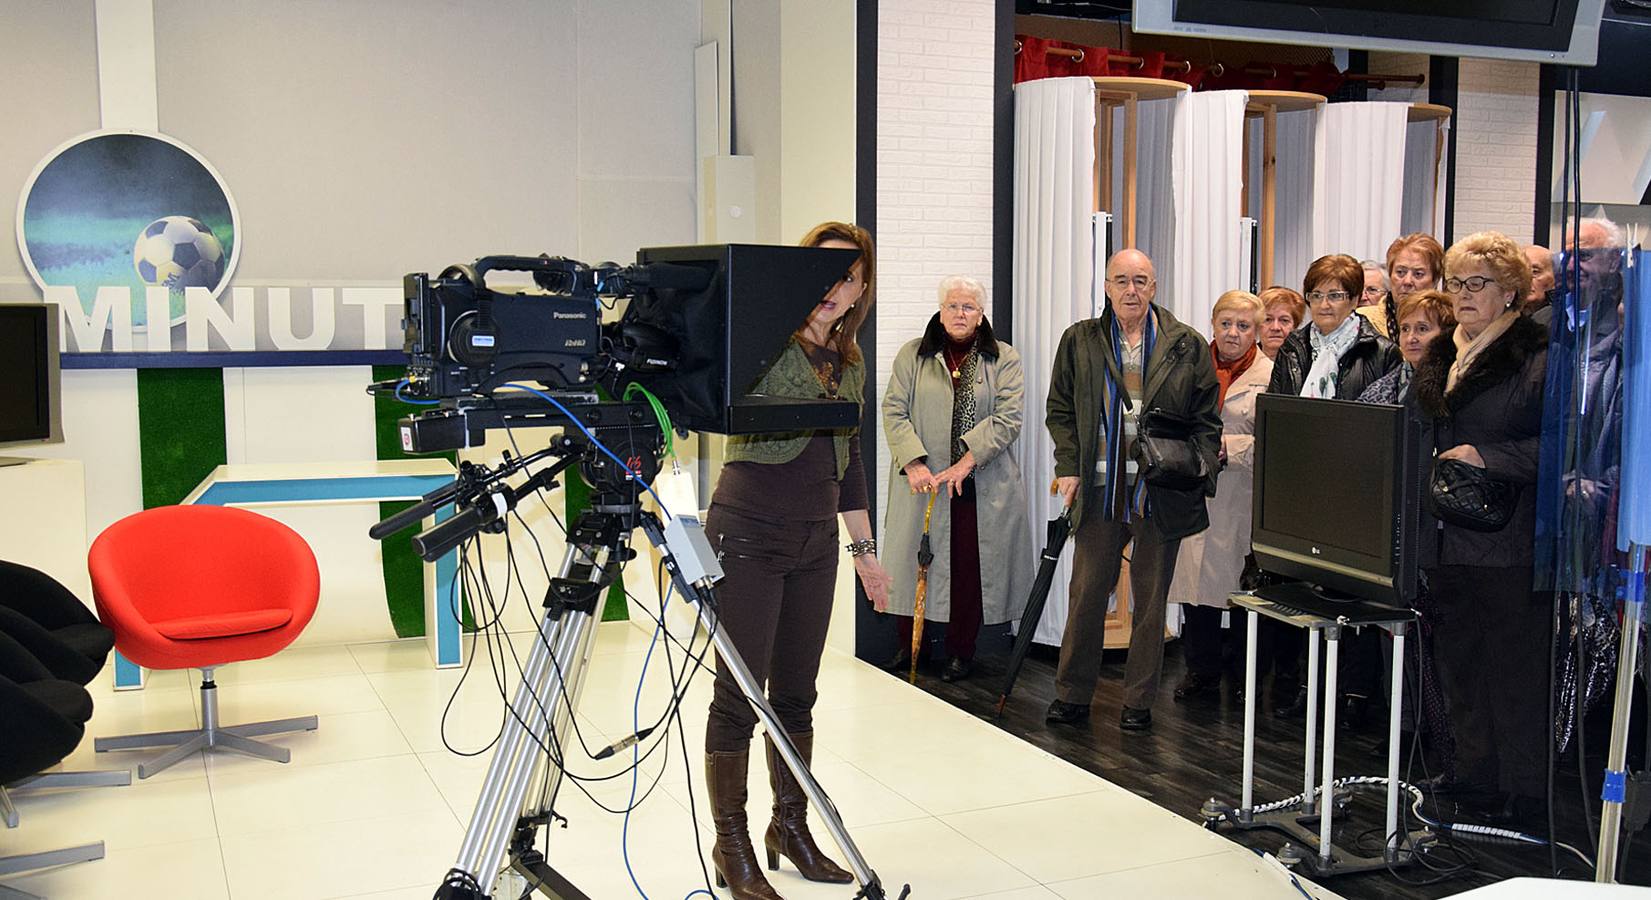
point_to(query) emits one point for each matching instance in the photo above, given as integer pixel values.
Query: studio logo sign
(136, 237)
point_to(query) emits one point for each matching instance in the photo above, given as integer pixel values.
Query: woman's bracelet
(861, 548)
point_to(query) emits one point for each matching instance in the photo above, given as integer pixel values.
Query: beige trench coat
(917, 418)
(1209, 563)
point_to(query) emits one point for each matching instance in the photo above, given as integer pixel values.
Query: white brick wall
(934, 166)
(1496, 147)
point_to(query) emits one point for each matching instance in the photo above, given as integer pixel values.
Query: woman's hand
(875, 579)
(1067, 487)
(1466, 453)
(951, 480)
(919, 477)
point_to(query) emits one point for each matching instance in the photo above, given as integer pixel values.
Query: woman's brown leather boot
(733, 856)
(788, 831)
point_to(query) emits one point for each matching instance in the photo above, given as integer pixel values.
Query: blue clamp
(1615, 787)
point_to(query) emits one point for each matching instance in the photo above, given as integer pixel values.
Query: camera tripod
(502, 827)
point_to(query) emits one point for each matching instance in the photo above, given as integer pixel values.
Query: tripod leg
(541, 708)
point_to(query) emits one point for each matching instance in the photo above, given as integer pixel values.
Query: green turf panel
(180, 431)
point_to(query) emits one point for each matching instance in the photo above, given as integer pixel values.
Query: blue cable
(636, 762)
(599, 445)
(406, 399)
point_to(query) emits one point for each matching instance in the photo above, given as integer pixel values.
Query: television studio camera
(698, 328)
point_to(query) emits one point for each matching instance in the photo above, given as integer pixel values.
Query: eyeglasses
(1333, 297)
(1373, 292)
(967, 309)
(1474, 284)
(1124, 282)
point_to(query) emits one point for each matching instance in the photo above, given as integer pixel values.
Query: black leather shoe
(957, 669)
(1135, 719)
(1063, 713)
(1198, 685)
(900, 663)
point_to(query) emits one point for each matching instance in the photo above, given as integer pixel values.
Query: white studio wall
(1208, 153)
(1053, 273)
(358, 147)
(1359, 181)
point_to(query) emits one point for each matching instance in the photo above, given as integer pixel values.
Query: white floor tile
(276, 797)
(340, 859)
(339, 737)
(1071, 837)
(394, 656)
(975, 773)
(193, 869)
(142, 814)
(257, 701)
(1240, 874)
(937, 861)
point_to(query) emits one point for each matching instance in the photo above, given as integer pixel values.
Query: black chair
(52, 623)
(45, 720)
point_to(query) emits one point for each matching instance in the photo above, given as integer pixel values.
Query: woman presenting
(773, 521)
(952, 415)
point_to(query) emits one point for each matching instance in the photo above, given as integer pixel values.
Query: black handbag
(1165, 453)
(1466, 496)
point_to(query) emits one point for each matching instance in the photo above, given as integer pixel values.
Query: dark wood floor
(1195, 751)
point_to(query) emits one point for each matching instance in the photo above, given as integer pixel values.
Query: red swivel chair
(196, 587)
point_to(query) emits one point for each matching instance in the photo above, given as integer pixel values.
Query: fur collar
(1500, 361)
(934, 337)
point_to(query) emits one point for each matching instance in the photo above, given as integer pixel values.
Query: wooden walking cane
(925, 555)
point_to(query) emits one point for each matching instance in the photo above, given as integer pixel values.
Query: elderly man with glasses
(1108, 373)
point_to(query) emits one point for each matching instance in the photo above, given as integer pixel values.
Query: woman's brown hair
(847, 327)
(1340, 268)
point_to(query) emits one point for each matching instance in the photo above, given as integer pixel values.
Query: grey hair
(1371, 265)
(963, 283)
(1613, 232)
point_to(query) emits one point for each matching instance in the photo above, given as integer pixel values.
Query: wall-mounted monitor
(30, 392)
(1550, 31)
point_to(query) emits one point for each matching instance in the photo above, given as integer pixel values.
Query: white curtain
(1293, 195)
(1207, 154)
(1425, 158)
(1359, 180)
(1053, 277)
(1154, 179)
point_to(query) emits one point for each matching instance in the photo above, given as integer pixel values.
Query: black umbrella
(1059, 528)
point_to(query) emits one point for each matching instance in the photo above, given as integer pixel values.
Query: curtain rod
(1218, 69)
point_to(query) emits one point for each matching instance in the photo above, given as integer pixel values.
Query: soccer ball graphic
(178, 252)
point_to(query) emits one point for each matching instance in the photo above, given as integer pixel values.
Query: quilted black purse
(1466, 496)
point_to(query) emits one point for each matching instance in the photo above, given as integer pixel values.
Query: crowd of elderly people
(1459, 335)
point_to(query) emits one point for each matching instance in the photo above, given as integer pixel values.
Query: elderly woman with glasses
(953, 414)
(1337, 354)
(1481, 386)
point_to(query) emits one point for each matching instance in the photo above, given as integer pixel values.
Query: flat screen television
(1338, 496)
(1550, 31)
(30, 396)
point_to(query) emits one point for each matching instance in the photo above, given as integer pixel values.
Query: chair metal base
(210, 736)
(49, 780)
(28, 862)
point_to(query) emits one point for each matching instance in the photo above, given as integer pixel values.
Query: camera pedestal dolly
(504, 823)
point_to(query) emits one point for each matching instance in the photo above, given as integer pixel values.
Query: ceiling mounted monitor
(1550, 31)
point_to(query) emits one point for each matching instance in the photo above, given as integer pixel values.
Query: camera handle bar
(503, 825)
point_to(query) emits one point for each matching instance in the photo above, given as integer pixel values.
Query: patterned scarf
(1112, 424)
(1328, 349)
(963, 397)
(1228, 372)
